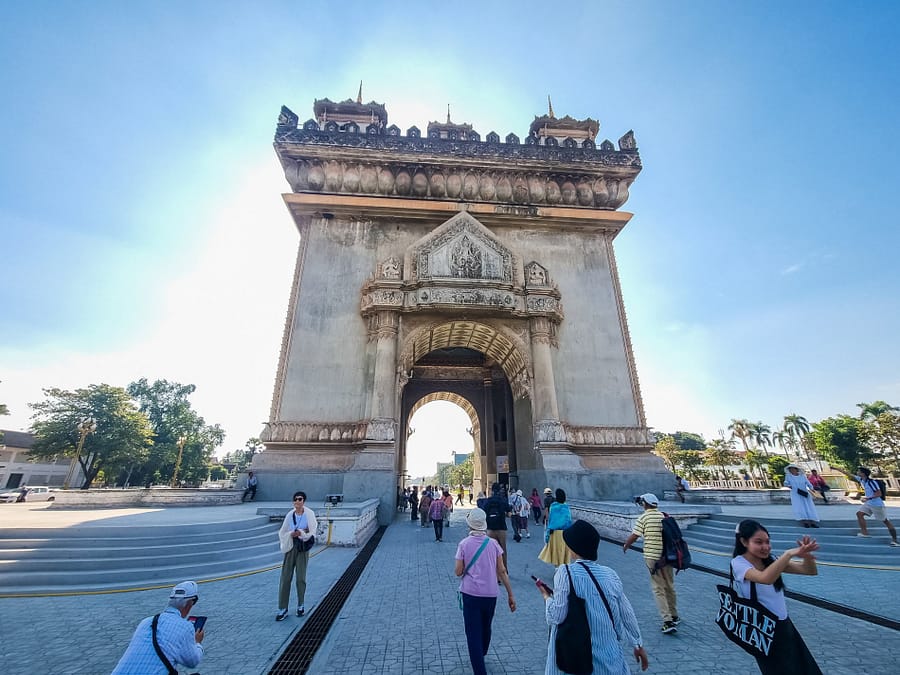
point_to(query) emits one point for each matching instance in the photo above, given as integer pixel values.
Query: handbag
(459, 599)
(299, 544)
(745, 621)
(802, 493)
(159, 652)
(573, 637)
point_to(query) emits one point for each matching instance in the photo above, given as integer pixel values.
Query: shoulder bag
(159, 651)
(459, 599)
(299, 544)
(573, 635)
(746, 621)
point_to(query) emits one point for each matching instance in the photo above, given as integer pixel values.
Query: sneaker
(301, 610)
(864, 536)
(675, 620)
(528, 535)
(669, 627)
(282, 615)
(895, 543)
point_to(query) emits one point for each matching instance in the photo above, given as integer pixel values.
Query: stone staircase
(837, 539)
(96, 558)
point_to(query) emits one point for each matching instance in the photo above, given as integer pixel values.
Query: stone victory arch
(447, 267)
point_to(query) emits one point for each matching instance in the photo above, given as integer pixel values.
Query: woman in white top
(295, 538)
(801, 497)
(753, 563)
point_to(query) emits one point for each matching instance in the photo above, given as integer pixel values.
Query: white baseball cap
(186, 589)
(650, 498)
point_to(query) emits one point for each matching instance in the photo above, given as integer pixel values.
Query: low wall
(351, 524)
(705, 496)
(616, 519)
(132, 497)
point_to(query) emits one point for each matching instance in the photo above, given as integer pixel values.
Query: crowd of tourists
(586, 609)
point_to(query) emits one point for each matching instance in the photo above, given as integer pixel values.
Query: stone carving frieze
(466, 296)
(313, 432)
(536, 275)
(549, 431)
(498, 185)
(609, 436)
(380, 429)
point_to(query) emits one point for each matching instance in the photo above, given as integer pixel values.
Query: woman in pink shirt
(479, 561)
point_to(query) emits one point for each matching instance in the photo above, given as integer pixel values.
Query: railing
(753, 484)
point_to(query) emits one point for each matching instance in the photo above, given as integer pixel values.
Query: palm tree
(757, 463)
(760, 433)
(783, 440)
(740, 429)
(796, 425)
(874, 409)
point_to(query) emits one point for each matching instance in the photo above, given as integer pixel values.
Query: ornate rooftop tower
(451, 267)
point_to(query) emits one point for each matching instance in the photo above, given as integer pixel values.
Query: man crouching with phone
(167, 638)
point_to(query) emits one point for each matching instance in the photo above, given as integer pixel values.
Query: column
(384, 396)
(487, 428)
(546, 410)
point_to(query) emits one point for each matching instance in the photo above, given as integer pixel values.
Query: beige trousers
(662, 583)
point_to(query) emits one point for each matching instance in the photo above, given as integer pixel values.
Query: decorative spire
(359, 95)
(448, 114)
(550, 107)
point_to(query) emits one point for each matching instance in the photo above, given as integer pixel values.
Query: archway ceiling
(474, 336)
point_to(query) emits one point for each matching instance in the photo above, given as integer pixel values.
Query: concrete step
(19, 582)
(822, 535)
(145, 534)
(138, 559)
(112, 548)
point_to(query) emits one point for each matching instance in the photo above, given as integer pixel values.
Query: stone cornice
(471, 171)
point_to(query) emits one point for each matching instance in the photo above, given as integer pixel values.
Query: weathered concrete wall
(145, 497)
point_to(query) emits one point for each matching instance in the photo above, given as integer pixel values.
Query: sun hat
(792, 466)
(548, 491)
(186, 589)
(582, 538)
(519, 492)
(477, 520)
(650, 498)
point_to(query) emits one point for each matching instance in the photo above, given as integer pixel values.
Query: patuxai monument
(447, 265)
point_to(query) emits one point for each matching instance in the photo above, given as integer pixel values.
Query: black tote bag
(746, 621)
(573, 637)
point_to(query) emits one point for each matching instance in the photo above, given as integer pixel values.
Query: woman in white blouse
(753, 563)
(801, 496)
(607, 627)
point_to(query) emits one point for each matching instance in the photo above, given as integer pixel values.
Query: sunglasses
(298, 499)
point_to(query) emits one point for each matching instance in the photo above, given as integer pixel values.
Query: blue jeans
(438, 529)
(478, 613)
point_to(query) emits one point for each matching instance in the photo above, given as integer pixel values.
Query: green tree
(171, 417)
(463, 474)
(869, 411)
(842, 441)
(757, 463)
(123, 435)
(218, 472)
(783, 440)
(686, 440)
(740, 429)
(719, 453)
(667, 449)
(776, 466)
(761, 434)
(690, 461)
(253, 447)
(883, 434)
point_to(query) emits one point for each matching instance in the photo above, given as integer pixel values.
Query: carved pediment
(461, 248)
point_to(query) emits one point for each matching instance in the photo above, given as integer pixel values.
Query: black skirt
(789, 654)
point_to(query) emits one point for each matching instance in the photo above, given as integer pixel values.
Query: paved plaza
(402, 617)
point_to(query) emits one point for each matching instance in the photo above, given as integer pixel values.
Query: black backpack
(495, 510)
(881, 486)
(675, 549)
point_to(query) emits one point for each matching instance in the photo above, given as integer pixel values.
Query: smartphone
(543, 585)
(198, 621)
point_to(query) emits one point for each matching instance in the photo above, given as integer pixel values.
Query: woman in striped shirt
(607, 627)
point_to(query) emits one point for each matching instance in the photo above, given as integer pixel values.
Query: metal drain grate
(295, 659)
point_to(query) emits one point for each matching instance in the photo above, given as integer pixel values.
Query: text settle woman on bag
(754, 563)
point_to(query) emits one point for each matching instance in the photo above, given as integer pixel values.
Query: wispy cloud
(791, 269)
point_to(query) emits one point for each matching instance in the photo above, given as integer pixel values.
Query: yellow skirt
(555, 551)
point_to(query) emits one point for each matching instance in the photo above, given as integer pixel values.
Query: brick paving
(386, 626)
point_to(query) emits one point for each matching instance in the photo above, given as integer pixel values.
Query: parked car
(37, 493)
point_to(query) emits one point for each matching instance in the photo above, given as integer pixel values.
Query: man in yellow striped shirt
(662, 580)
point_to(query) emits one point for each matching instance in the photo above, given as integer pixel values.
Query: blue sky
(143, 234)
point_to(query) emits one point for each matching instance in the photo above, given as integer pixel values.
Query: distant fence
(834, 482)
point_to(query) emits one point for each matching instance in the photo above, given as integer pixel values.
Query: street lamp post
(84, 427)
(180, 443)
